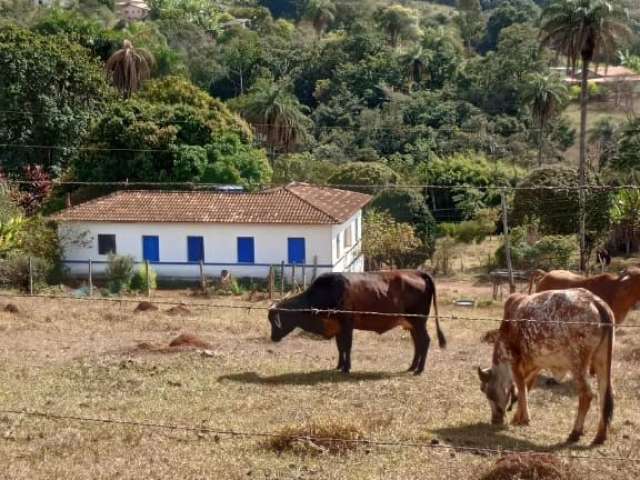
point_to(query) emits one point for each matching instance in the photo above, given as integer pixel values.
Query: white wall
(220, 245)
(347, 258)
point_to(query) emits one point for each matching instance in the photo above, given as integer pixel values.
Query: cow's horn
(277, 321)
(484, 374)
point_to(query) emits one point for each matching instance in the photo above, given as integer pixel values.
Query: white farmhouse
(243, 233)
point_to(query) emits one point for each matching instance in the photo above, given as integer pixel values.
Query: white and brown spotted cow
(563, 329)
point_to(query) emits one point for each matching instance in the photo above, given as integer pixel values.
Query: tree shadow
(308, 378)
(483, 435)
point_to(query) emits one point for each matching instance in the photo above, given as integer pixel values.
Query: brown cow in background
(621, 292)
(567, 330)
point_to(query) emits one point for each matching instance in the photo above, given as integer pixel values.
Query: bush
(140, 282)
(475, 230)
(14, 271)
(549, 253)
(364, 173)
(409, 206)
(557, 205)
(119, 272)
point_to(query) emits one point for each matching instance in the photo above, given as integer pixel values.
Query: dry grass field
(99, 359)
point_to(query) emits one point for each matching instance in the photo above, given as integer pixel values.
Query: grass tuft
(530, 466)
(317, 438)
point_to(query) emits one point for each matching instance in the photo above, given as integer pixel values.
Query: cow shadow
(493, 437)
(565, 388)
(308, 378)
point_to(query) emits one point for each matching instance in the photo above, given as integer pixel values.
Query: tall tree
(399, 23)
(276, 114)
(584, 30)
(470, 22)
(129, 67)
(546, 95)
(50, 89)
(320, 13)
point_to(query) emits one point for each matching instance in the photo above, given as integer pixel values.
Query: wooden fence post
(90, 278)
(315, 268)
(146, 266)
(282, 279)
(30, 276)
(270, 281)
(507, 240)
(304, 276)
(203, 280)
(293, 277)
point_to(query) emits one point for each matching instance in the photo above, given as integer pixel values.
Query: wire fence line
(231, 433)
(409, 186)
(314, 311)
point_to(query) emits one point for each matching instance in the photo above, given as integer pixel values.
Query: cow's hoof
(574, 437)
(520, 422)
(418, 372)
(599, 440)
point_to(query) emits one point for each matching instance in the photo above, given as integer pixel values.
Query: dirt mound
(490, 337)
(11, 308)
(180, 309)
(189, 340)
(331, 437)
(530, 466)
(145, 307)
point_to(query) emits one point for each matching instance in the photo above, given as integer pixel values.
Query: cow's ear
(625, 277)
(484, 375)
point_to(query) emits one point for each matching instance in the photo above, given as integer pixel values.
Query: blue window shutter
(296, 250)
(246, 251)
(195, 249)
(151, 248)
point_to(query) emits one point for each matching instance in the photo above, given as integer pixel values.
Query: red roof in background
(296, 203)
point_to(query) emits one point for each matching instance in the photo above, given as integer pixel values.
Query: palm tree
(276, 114)
(545, 94)
(321, 13)
(584, 30)
(129, 67)
(415, 63)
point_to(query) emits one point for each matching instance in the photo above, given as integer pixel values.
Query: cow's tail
(609, 322)
(535, 276)
(442, 341)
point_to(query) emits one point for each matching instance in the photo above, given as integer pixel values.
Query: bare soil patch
(178, 310)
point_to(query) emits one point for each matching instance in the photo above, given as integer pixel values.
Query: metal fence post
(270, 282)
(315, 268)
(203, 280)
(507, 240)
(304, 276)
(293, 277)
(90, 277)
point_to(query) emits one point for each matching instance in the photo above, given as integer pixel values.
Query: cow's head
(282, 322)
(497, 384)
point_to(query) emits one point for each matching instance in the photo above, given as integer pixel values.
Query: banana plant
(10, 238)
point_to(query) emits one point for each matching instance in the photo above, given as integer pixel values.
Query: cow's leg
(423, 342)
(522, 412)
(340, 352)
(601, 367)
(585, 395)
(416, 356)
(347, 339)
(532, 376)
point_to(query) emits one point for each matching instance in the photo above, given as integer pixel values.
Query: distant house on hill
(243, 233)
(603, 75)
(132, 10)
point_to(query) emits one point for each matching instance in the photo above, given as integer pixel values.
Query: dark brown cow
(621, 292)
(563, 329)
(391, 292)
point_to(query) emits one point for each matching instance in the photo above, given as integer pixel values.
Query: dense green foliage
(50, 88)
(548, 253)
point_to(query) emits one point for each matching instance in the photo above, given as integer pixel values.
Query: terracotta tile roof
(296, 203)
